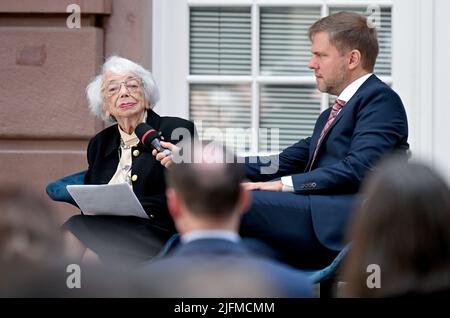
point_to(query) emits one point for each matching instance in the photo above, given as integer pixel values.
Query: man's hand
(276, 186)
(164, 159)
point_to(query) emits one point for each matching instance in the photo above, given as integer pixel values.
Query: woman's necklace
(123, 145)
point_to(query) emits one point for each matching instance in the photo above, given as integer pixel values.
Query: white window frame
(410, 74)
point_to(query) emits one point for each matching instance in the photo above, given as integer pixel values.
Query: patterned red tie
(337, 106)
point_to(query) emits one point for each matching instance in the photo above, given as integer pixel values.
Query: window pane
(291, 108)
(284, 41)
(222, 113)
(383, 65)
(220, 41)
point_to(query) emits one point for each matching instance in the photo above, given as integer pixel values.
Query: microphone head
(141, 129)
(146, 133)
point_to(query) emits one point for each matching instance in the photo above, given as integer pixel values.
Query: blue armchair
(57, 191)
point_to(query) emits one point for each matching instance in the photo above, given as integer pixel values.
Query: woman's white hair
(119, 65)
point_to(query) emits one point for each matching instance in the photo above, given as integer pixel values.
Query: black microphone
(150, 138)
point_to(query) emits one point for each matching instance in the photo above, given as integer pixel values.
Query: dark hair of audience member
(212, 188)
(402, 226)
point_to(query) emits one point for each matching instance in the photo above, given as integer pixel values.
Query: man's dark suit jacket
(212, 267)
(372, 124)
(103, 158)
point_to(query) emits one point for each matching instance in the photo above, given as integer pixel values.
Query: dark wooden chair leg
(328, 288)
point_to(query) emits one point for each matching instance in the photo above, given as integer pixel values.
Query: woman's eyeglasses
(113, 88)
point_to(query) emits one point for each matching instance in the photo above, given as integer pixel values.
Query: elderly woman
(124, 93)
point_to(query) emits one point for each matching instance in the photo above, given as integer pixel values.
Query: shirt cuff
(288, 186)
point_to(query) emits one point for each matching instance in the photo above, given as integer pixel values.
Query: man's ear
(354, 59)
(173, 203)
(245, 198)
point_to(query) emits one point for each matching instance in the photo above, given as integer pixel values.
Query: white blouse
(123, 172)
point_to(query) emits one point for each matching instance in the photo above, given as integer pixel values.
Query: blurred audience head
(33, 262)
(29, 231)
(31, 243)
(232, 279)
(403, 226)
(207, 192)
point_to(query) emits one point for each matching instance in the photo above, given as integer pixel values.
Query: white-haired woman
(125, 93)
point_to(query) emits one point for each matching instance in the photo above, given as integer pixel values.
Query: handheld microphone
(150, 138)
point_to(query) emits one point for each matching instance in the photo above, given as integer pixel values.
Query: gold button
(134, 177)
(152, 216)
(136, 153)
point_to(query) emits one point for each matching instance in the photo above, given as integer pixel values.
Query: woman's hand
(164, 158)
(276, 186)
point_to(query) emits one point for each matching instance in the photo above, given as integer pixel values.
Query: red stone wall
(44, 69)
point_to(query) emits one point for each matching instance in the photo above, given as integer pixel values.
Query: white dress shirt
(210, 234)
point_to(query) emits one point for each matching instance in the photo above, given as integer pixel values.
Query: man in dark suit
(206, 201)
(300, 211)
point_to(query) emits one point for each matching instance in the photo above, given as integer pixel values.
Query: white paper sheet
(107, 199)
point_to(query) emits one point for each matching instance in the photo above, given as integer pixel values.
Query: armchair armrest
(57, 191)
